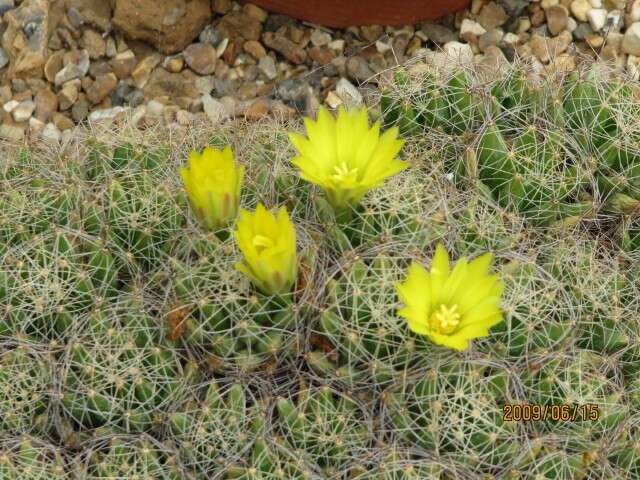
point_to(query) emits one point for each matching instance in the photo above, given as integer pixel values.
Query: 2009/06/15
(536, 412)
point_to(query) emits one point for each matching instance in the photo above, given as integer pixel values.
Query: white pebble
(597, 18)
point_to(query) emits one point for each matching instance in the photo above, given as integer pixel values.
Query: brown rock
(201, 58)
(283, 112)
(25, 38)
(174, 64)
(247, 91)
(254, 48)
(61, 121)
(46, 104)
(103, 86)
(256, 12)
(288, 49)
(86, 83)
(557, 17)
(320, 56)
(68, 95)
(53, 66)
(169, 25)
(144, 68)
(80, 110)
(100, 67)
(94, 12)
(546, 48)
(257, 110)
(94, 43)
(492, 15)
(123, 64)
(221, 6)
(231, 52)
(371, 33)
(240, 25)
(162, 83)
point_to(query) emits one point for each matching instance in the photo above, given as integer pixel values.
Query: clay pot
(342, 13)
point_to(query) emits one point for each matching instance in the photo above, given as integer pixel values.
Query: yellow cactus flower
(212, 182)
(268, 245)
(346, 157)
(451, 307)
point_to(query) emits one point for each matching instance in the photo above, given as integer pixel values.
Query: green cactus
(122, 456)
(456, 410)
(214, 432)
(26, 384)
(328, 428)
(120, 372)
(31, 459)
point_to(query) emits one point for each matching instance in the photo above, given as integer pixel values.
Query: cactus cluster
(133, 346)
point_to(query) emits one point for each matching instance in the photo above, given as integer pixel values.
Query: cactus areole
(342, 13)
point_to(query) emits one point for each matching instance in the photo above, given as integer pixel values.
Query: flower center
(445, 319)
(261, 243)
(344, 174)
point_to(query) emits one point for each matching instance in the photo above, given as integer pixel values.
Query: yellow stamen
(261, 242)
(344, 174)
(445, 320)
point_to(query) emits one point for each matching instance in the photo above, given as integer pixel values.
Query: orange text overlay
(558, 413)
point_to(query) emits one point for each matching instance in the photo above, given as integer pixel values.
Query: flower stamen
(445, 320)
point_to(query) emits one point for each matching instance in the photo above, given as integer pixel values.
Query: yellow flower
(346, 157)
(213, 182)
(451, 307)
(268, 245)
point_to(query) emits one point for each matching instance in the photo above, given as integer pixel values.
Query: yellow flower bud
(346, 157)
(451, 307)
(268, 245)
(212, 183)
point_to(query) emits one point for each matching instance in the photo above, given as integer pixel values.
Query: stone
(337, 46)
(102, 87)
(123, 64)
(268, 66)
(438, 33)
(10, 105)
(6, 5)
(25, 38)
(319, 38)
(370, 33)
(12, 132)
(579, 9)
(557, 17)
(80, 110)
(288, 49)
(46, 103)
(491, 16)
(23, 111)
(53, 65)
(634, 13)
(348, 93)
(77, 65)
(333, 100)
(169, 25)
(247, 91)
(185, 118)
(458, 52)
(173, 64)
(256, 12)
(67, 96)
(35, 126)
(513, 8)
(4, 58)
(75, 17)
(383, 47)
(615, 20)
(144, 68)
(94, 12)
(546, 48)
(210, 35)
(597, 18)
(631, 40)
(320, 56)
(201, 58)
(173, 85)
(582, 31)
(105, 114)
(254, 48)
(490, 39)
(239, 25)
(51, 133)
(470, 30)
(94, 43)
(100, 67)
(358, 69)
(221, 6)
(215, 109)
(298, 94)
(257, 109)
(70, 72)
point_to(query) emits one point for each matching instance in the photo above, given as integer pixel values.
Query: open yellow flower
(451, 307)
(212, 182)
(268, 245)
(346, 157)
